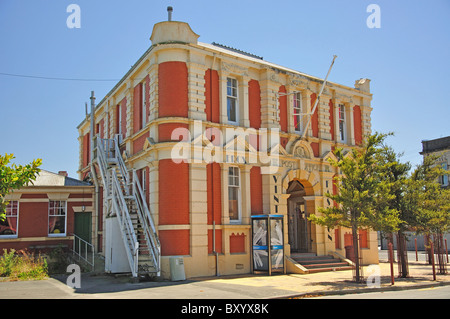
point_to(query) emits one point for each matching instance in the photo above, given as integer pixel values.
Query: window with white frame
(119, 119)
(8, 227)
(444, 178)
(297, 112)
(232, 101)
(234, 197)
(57, 218)
(143, 104)
(342, 124)
(144, 179)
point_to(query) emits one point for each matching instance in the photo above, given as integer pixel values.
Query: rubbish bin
(350, 253)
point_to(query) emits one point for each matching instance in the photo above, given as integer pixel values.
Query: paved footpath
(224, 287)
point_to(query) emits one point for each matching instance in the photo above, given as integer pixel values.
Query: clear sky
(407, 60)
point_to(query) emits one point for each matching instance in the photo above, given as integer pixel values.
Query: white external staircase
(125, 199)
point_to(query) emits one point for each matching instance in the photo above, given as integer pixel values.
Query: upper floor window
(143, 104)
(444, 178)
(232, 101)
(297, 112)
(342, 123)
(8, 227)
(234, 197)
(57, 218)
(118, 119)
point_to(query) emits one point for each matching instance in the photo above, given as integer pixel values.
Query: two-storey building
(215, 136)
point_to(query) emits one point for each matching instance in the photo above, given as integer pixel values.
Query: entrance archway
(299, 228)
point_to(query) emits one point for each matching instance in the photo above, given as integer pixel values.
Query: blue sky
(407, 60)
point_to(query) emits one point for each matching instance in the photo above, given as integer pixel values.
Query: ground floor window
(57, 218)
(8, 227)
(234, 194)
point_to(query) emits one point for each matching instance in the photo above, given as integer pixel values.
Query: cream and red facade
(43, 216)
(185, 85)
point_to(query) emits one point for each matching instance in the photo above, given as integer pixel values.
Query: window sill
(8, 237)
(57, 235)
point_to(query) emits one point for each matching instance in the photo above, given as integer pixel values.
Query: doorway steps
(313, 263)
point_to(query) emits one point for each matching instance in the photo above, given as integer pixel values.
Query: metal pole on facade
(318, 97)
(92, 125)
(92, 147)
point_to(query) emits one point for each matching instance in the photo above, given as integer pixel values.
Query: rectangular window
(118, 120)
(143, 104)
(144, 179)
(444, 178)
(342, 133)
(8, 227)
(297, 112)
(232, 101)
(234, 194)
(57, 218)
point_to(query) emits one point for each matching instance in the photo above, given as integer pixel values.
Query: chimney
(169, 12)
(63, 173)
(363, 85)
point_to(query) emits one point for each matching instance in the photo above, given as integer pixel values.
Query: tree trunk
(356, 251)
(402, 254)
(428, 248)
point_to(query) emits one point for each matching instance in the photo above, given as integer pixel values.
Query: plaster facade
(190, 96)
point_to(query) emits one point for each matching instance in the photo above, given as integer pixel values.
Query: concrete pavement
(225, 287)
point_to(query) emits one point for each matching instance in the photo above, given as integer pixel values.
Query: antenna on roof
(169, 12)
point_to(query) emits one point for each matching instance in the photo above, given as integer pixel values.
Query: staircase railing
(84, 250)
(99, 153)
(118, 191)
(122, 166)
(125, 224)
(147, 222)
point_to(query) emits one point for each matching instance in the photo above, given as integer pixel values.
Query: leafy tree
(403, 200)
(13, 177)
(363, 194)
(433, 201)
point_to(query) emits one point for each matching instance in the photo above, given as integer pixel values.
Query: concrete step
(326, 265)
(330, 269)
(315, 263)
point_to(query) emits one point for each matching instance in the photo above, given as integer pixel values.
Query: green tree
(433, 201)
(403, 200)
(13, 177)
(363, 194)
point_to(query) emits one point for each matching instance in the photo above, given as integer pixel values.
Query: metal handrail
(122, 167)
(78, 252)
(106, 151)
(100, 156)
(147, 221)
(126, 226)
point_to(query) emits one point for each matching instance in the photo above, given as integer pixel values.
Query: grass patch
(22, 265)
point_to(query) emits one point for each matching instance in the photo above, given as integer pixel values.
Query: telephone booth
(267, 244)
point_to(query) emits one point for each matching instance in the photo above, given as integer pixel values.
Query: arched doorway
(299, 228)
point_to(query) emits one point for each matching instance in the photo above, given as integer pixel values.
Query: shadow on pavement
(105, 283)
